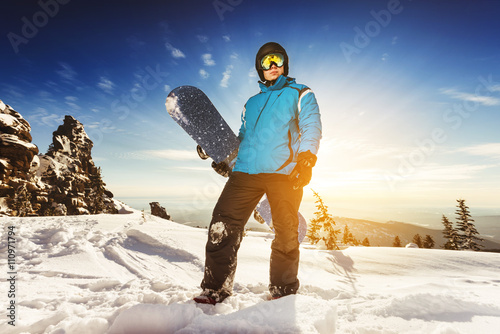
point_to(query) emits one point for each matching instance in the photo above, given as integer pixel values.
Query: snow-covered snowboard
(195, 113)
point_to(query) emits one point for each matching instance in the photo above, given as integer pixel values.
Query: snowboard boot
(201, 299)
(209, 297)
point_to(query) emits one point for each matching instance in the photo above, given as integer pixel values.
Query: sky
(409, 93)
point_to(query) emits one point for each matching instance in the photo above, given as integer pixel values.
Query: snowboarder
(280, 134)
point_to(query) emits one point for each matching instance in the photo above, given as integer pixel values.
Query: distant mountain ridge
(383, 234)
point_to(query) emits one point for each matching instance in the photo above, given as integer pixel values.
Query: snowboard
(194, 112)
(263, 211)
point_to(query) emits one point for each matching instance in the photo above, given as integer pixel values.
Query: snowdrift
(137, 274)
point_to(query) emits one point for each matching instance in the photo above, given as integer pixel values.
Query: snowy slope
(134, 274)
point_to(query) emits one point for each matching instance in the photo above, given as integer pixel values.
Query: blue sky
(409, 93)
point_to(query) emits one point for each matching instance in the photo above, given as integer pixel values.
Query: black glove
(302, 173)
(221, 168)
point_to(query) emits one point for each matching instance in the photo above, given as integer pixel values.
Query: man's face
(274, 72)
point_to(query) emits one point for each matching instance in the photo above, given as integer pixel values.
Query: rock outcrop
(158, 210)
(63, 181)
(16, 150)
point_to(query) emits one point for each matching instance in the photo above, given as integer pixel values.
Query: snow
(58, 166)
(135, 273)
(9, 139)
(4, 162)
(65, 143)
(4, 208)
(7, 120)
(217, 233)
(174, 109)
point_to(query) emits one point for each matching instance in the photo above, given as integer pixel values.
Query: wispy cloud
(135, 42)
(137, 89)
(11, 92)
(176, 53)
(494, 88)
(491, 150)
(362, 149)
(66, 72)
(481, 99)
(204, 74)
(226, 38)
(352, 177)
(106, 85)
(226, 76)
(71, 102)
(46, 96)
(435, 172)
(207, 59)
(179, 155)
(42, 117)
(202, 38)
(252, 73)
(102, 126)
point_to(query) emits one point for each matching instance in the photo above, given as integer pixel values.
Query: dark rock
(158, 210)
(16, 149)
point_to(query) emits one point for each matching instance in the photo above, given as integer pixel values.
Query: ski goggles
(268, 60)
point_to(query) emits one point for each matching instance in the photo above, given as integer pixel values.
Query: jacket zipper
(264, 107)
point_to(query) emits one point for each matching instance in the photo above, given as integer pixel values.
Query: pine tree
(366, 242)
(313, 229)
(347, 238)
(355, 241)
(417, 239)
(450, 234)
(428, 242)
(322, 227)
(329, 234)
(397, 242)
(468, 237)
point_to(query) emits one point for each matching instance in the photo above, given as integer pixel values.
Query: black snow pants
(241, 194)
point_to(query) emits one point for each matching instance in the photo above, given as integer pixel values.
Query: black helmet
(268, 48)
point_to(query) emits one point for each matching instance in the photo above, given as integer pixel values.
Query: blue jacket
(280, 122)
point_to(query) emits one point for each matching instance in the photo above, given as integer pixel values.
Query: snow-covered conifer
(450, 234)
(468, 237)
(322, 226)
